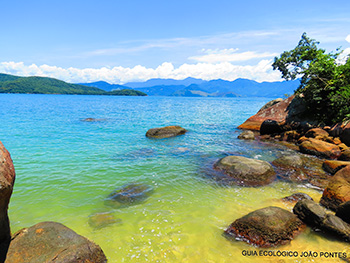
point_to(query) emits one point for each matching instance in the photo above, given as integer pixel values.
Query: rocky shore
(321, 159)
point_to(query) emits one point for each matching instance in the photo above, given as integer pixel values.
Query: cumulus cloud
(261, 71)
(229, 55)
(348, 38)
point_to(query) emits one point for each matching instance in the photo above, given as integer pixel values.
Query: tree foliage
(325, 83)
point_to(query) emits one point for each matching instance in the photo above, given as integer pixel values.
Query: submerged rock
(290, 167)
(320, 148)
(101, 220)
(93, 120)
(317, 217)
(246, 171)
(266, 227)
(337, 190)
(246, 135)
(52, 242)
(296, 197)
(165, 132)
(7, 180)
(130, 194)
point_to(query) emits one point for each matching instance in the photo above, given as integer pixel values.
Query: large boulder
(246, 171)
(290, 167)
(165, 132)
(316, 132)
(277, 112)
(270, 127)
(52, 242)
(7, 180)
(266, 227)
(129, 194)
(317, 217)
(343, 212)
(337, 190)
(320, 148)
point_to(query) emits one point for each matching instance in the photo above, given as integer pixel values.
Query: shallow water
(66, 168)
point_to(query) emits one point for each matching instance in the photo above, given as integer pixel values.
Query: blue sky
(134, 40)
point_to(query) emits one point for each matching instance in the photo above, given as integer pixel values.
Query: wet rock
(317, 217)
(130, 194)
(316, 132)
(52, 242)
(266, 227)
(7, 180)
(296, 197)
(290, 167)
(101, 220)
(165, 132)
(320, 148)
(337, 190)
(246, 171)
(246, 135)
(345, 135)
(333, 166)
(345, 155)
(343, 212)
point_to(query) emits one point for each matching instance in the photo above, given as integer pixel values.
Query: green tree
(324, 83)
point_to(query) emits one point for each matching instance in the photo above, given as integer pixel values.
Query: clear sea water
(66, 168)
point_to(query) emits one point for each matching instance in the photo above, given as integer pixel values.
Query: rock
(291, 136)
(266, 227)
(165, 132)
(270, 104)
(270, 127)
(343, 212)
(52, 242)
(320, 148)
(333, 166)
(317, 217)
(93, 120)
(337, 190)
(101, 220)
(290, 167)
(277, 112)
(296, 197)
(246, 135)
(130, 194)
(345, 155)
(345, 135)
(7, 180)
(246, 171)
(316, 132)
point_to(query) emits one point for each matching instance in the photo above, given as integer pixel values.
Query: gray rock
(246, 135)
(246, 171)
(165, 132)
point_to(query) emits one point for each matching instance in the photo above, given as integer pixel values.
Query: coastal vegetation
(325, 79)
(43, 85)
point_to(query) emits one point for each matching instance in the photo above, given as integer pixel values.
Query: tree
(324, 83)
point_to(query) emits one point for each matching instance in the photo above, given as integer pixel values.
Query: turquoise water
(66, 168)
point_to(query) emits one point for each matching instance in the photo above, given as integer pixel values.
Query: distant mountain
(43, 85)
(164, 82)
(104, 85)
(217, 88)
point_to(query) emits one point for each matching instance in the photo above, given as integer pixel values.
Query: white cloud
(262, 71)
(348, 38)
(229, 55)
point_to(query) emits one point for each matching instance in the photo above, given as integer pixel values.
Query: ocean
(66, 167)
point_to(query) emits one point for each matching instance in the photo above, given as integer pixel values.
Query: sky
(120, 41)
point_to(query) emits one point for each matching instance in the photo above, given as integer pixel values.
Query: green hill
(43, 85)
